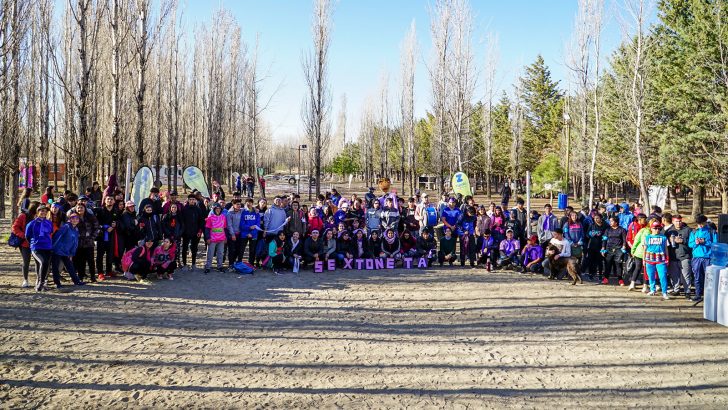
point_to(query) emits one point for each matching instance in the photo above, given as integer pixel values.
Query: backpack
(244, 268)
(127, 259)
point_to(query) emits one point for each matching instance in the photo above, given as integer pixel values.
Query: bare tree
(596, 8)
(407, 105)
(491, 64)
(316, 106)
(440, 28)
(638, 43)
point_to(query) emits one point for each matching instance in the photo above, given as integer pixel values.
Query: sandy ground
(455, 338)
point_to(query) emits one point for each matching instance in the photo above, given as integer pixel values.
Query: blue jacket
(275, 219)
(702, 250)
(248, 219)
(625, 217)
(38, 233)
(65, 241)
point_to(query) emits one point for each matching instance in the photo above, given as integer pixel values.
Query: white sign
(658, 195)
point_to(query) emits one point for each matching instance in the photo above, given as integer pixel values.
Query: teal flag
(143, 182)
(195, 179)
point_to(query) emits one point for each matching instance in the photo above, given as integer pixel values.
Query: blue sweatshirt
(38, 233)
(625, 217)
(65, 240)
(247, 220)
(702, 250)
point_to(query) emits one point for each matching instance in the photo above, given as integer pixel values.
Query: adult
(700, 241)
(38, 233)
(313, 249)
(96, 194)
(153, 200)
(450, 216)
(447, 247)
(506, 194)
(108, 219)
(614, 248)
(172, 200)
(234, 221)
(88, 231)
(128, 226)
(111, 186)
(47, 196)
(593, 258)
(215, 238)
(149, 224)
(521, 216)
(193, 223)
(274, 220)
(297, 221)
(656, 258)
(683, 253)
(24, 201)
(370, 198)
(217, 189)
(18, 229)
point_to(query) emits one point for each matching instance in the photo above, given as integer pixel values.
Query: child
(656, 258)
(65, 242)
(329, 244)
(408, 244)
(447, 247)
(375, 243)
(532, 255)
(361, 247)
(426, 246)
(293, 251)
(344, 247)
(487, 250)
(509, 252)
(390, 245)
(468, 245)
(275, 252)
(142, 260)
(163, 259)
(215, 226)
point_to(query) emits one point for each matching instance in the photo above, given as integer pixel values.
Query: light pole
(298, 176)
(567, 120)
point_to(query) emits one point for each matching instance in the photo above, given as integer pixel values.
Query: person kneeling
(426, 246)
(141, 260)
(532, 255)
(509, 252)
(163, 259)
(447, 248)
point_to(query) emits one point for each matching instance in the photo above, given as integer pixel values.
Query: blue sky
(366, 41)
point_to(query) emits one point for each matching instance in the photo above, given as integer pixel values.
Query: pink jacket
(163, 258)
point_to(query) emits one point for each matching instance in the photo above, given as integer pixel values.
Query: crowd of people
(98, 235)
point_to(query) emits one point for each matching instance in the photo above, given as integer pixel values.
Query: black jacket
(172, 226)
(150, 226)
(156, 205)
(312, 248)
(193, 221)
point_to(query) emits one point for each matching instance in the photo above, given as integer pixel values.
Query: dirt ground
(445, 337)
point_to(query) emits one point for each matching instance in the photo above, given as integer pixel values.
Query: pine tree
(542, 99)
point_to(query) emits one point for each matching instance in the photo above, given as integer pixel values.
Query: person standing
(88, 230)
(153, 200)
(215, 226)
(65, 243)
(107, 217)
(506, 194)
(38, 233)
(193, 223)
(547, 222)
(656, 258)
(18, 228)
(613, 249)
(700, 241)
(683, 253)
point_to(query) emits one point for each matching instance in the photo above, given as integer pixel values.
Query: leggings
(613, 263)
(251, 243)
(636, 269)
(104, 256)
(25, 253)
(191, 244)
(42, 265)
(84, 257)
(661, 269)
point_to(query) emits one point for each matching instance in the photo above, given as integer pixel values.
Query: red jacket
(315, 223)
(632, 230)
(18, 229)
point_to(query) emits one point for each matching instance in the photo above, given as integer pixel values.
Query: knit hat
(129, 203)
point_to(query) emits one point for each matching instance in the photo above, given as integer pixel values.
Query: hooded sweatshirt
(248, 219)
(625, 217)
(215, 228)
(701, 250)
(274, 219)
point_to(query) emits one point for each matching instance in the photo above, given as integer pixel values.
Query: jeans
(687, 274)
(699, 265)
(25, 253)
(56, 261)
(42, 265)
(661, 269)
(215, 249)
(191, 244)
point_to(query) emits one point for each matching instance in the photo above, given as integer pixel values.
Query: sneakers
(25, 284)
(621, 282)
(697, 299)
(665, 296)
(652, 294)
(102, 276)
(645, 288)
(170, 277)
(631, 286)
(605, 281)
(129, 276)
(277, 272)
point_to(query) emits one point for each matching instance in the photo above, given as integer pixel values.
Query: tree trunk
(698, 200)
